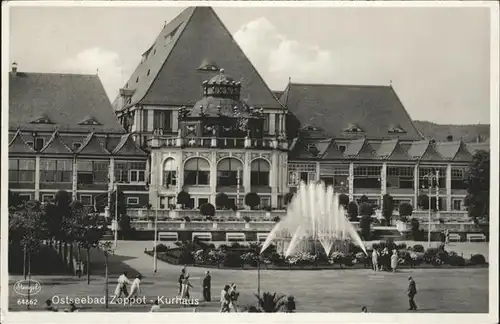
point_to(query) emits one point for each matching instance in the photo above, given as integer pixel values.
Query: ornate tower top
(222, 86)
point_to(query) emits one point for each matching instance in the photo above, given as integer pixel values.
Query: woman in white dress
(121, 286)
(394, 260)
(135, 289)
(375, 260)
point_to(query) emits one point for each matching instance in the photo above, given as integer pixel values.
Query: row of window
(165, 202)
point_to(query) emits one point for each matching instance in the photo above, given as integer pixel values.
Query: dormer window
(342, 148)
(208, 65)
(41, 120)
(89, 121)
(137, 80)
(148, 72)
(312, 149)
(396, 129)
(76, 146)
(353, 128)
(311, 128)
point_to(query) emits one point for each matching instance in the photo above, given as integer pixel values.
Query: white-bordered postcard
(307, 161)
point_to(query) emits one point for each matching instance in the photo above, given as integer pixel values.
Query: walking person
(181, 279)
(135, 289)
(185, 287)
(375, 257)
(394, 260)
(233, 298)
(121, 287)
(207, 282)
(224, 300)
(412, 291)
(385, 260)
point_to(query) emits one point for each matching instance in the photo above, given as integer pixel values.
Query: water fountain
(314, 215)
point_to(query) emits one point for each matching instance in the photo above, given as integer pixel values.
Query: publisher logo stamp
(27, 287)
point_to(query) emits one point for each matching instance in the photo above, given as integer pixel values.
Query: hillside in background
(439, 132)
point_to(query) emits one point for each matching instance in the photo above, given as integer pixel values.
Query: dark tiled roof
(334, 107)
(127, 146)
(173, 63)
(475, 147)
(56, 145)
(354, 147)
(18, 145)
(92, 145)
(65, 99)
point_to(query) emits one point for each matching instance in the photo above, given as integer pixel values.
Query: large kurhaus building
(358, 138)
(210, 124)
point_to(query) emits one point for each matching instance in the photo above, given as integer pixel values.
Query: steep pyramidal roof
(92, 145)
(127, 146)
(170, 71)
(346, 111)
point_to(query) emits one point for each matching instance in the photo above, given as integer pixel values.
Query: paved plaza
(439, 290)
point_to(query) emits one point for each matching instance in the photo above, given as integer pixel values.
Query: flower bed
(236, 256)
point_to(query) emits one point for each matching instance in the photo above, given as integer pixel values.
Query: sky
(437, 59)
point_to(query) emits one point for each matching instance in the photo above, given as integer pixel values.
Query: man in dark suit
(412, 291)
(181, 279)
(207, 283)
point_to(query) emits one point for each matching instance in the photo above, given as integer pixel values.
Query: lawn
(439, 290)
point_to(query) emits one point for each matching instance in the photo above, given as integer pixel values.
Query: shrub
(365, 209)
(267, 208)
(276, 219)
(222, 201)
(209, 218)
(207, 209)
(187, 219)
(387, 207)
(352, 211)
(246, 219)
(236, 245)
(405, 210)
(477, 259)
(344, 200)
(252, 200)
(415, 229)
(233, 259)
(184, 199)
(401, 246)
(423, 202)
(287, 198)
(455, 260)
(161, 248)
(418, 248)
(364, 224)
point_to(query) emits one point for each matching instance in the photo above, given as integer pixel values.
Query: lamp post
(430, 176)
(238, 180)
(116, 217)
(155, 257)
(258, 275)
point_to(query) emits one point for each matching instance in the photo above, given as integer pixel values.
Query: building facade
(63, 135)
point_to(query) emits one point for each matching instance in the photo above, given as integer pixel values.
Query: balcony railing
(215, 142)
(193, 214)
(173, 225)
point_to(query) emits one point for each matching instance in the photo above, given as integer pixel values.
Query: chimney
(14, 68)
(449, 138)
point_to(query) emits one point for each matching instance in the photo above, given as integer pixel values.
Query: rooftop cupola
(222, 86)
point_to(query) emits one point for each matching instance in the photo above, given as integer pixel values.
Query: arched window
(196, 172)
(169, 173)
(227, 172)
(259, 173)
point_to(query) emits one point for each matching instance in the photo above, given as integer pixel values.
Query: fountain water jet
(314, 214)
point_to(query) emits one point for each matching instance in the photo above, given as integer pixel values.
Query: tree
(478, 186)
(222, 201)
(271, 303)
(184, 199)
(363, 199)
(287, 198)
(207, 209)
(252, 199)
(405, 209)
(352, 211)
(14, 200)
(27, 229)
(292, 126)
(89, 229)
(344, 200)
(365, 225)
(423, 202)
(107, 248)
(387, 208)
